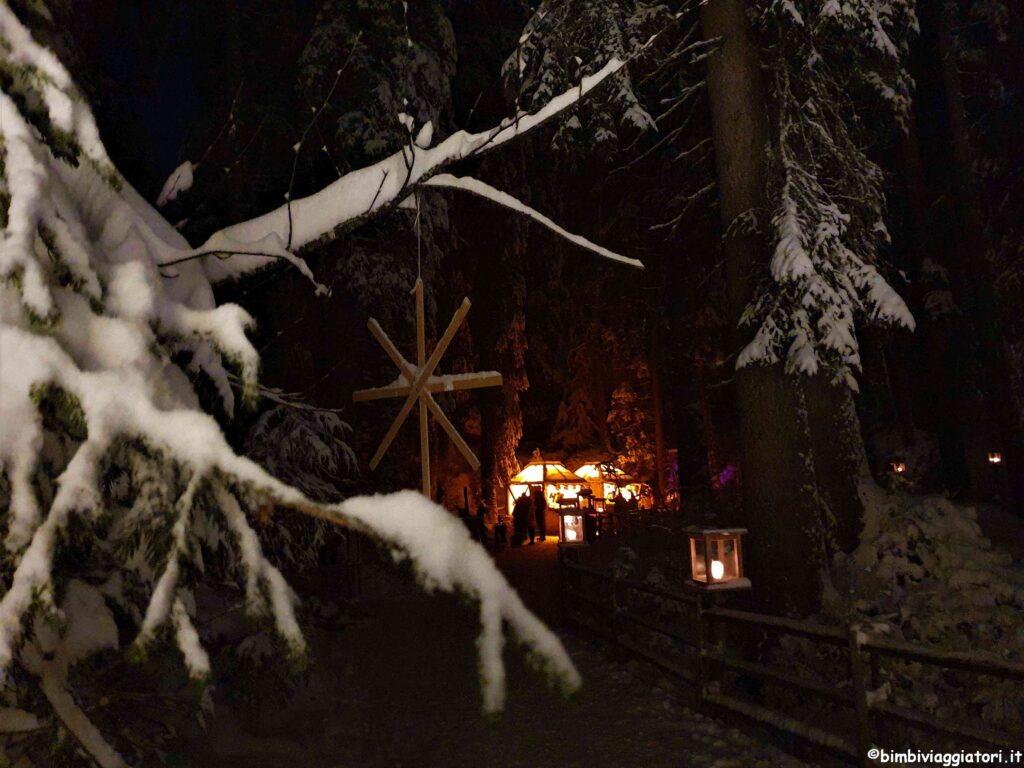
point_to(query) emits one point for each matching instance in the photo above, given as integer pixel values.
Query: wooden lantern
(716, 558)
(899, 467)
(571, 527)
(994, 457)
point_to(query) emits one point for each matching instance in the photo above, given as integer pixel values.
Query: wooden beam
(450, 430)
(456, 383)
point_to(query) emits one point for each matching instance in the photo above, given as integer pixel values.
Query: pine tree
(120, 493)
(785, 83)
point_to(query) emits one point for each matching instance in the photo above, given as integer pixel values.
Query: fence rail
(700, 632)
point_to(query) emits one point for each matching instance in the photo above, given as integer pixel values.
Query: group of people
(529, 517)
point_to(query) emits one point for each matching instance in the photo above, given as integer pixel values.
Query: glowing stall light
(555, 481)
(532, 473)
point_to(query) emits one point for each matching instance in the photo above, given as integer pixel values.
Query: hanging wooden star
(418, 383)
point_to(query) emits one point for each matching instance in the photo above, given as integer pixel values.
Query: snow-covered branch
(486, 191)
(100, 355)
(824, 278)
(366, 191)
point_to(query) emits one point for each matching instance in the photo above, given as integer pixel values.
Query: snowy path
(399, 688)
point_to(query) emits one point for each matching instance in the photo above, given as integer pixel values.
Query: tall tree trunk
(840, 463)
(658, 398)
(710, 442)
(784, 516)
(973, 268)
(941, 340)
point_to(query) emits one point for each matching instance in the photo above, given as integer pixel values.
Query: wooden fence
(705, 653)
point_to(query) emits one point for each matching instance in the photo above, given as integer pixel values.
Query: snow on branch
(366, 191)
(825, 277)
(101, 357)
(486, 191)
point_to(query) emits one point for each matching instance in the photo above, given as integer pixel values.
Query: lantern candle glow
(716, 558)
(571, 528)
(994, 457)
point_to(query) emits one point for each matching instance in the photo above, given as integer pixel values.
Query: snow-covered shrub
(925, 572)
(119, 495)
(305, 447)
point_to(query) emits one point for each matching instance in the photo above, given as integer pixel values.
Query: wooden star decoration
(418, 383)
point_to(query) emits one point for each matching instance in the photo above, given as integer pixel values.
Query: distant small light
(899, 467)
(994, 457)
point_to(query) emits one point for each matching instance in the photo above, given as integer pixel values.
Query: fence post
(859, 676)
(700, 649)
(562, 587)
(617, 622)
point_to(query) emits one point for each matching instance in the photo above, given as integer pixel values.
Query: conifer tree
(119, 494)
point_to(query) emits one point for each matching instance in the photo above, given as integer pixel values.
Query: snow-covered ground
(399, 688)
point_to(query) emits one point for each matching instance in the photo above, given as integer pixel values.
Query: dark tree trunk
(786, 539)
(972, 268)
(839, 460)
(939, 339)
(657, 396)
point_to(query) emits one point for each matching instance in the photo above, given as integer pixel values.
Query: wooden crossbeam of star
(417, 383)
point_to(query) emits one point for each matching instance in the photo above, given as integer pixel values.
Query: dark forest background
(594, 355)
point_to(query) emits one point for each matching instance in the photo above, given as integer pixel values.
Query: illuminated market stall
(561, 486)
(603, 479)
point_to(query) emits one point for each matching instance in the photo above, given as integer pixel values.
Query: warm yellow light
(717, 569)
(533, 473)
(995, 458)
(899, 467)
(570, 534)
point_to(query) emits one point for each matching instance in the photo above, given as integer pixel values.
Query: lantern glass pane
(698, 567)
(730, 558)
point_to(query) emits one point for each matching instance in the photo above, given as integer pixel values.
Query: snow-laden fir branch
(486, 191)
(549, 55)
(370, 190)
(94, 337)
(828, 199)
